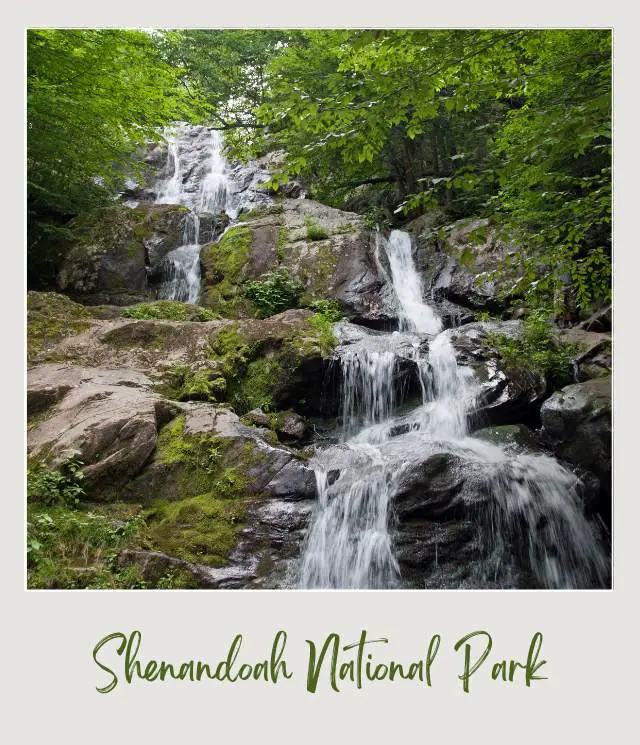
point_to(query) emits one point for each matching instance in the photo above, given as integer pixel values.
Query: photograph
(318, 309)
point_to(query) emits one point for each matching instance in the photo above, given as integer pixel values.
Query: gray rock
(110, 417)
(514, 437)
(294, 481)
(457, 261)
(117, 250)
(291, 427)
(505, 396)
(577, 420)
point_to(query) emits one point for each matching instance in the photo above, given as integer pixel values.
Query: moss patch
(50, 318)
(260, 371)
(202, 525)
(171, 310)
(201, 529)
(183, 383)
(225, 264)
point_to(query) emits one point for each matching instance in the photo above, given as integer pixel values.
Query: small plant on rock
(536, 349)
(273, 292)
(60, 487)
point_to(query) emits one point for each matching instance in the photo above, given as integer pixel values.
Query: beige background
(590, 638)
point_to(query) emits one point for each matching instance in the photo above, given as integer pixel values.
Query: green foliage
(513, 122)
(201, 529)
(536, 348)
(170, 310)
(93, 97)
(315, 231)
(227, 69)
(273, 292)
(327, 313)
(77, 549)
(61, 487)
(186, 384)
(555, 184)
(330, 309)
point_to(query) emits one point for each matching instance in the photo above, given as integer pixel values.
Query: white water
(533, 510)
(196, 178)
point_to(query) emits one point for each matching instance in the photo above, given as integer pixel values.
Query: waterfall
(533, 507)
(196, 177)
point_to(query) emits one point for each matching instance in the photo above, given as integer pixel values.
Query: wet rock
(457, 261)
(293, 481)
(518, 398)
(291, 427)
(504, 396)
(513, 437)
(443, 486)
(212, 226)
(438, 554)
(115, 249)
(577, 420)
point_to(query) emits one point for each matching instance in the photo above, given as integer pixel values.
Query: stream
(526, 507)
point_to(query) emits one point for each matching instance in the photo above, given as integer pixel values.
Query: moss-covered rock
(225, 266)
(329, 253)
(271, 364)
(115, 248)
(465, 263)
(207, 472)
(171, 310)
(50, 318)
(202, 529)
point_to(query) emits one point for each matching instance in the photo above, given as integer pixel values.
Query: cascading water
(532, 510)
(196, 178)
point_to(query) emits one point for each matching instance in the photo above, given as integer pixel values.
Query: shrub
(51, 488)
(536, 348)
(327, 313)
(330, 309)
(273, 292)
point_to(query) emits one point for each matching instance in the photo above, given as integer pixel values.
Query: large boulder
(115, 249)
(277, 363)
(458, 261)
(109, 418)
(593, 352)
(224, 502)
(504, 396)
(505, 505)
(577, 420)
(328, 251)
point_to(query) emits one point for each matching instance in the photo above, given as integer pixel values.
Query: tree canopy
(510, 124)
(93, 97)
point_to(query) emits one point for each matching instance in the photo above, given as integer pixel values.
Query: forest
(255, 257)
(510, 124)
